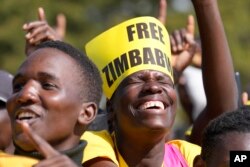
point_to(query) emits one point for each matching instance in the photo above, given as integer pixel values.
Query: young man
(229, 132)
(56, 92)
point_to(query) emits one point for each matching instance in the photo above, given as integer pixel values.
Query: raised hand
(162, 11)
(183, 45)
(51, 156)
(39, 30)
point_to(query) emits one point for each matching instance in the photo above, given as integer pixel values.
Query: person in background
(6, 144)
(228, 132)
(245, 99)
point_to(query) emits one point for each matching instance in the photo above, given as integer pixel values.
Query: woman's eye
(166, 82)
(135, 81)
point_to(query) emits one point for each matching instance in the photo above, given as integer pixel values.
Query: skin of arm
(217, 67)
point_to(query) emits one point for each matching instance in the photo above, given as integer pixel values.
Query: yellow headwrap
(134, 45)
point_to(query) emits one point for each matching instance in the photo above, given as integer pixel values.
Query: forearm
(217, 66)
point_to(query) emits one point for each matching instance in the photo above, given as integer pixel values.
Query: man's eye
(17, 87)
(48, 86)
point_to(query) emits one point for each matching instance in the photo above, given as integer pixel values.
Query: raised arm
(217, 67)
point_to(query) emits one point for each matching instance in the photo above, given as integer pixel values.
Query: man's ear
(199, 162)
(88, 113)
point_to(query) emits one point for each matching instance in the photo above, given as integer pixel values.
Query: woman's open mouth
(152, 105)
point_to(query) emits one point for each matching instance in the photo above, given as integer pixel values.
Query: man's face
(145, 100)
(46, 96)
(233, 141)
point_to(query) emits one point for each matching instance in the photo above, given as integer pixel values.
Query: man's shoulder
(17, 161)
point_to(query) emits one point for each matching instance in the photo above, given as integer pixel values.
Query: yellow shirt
(100, 144)
(188, 150)
(8, 160)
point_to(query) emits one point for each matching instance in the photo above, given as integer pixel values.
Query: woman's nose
(152, 87)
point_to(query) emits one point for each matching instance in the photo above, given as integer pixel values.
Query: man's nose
(28, 94)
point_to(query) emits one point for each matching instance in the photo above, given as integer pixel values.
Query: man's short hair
(91, 88)
(236, 121)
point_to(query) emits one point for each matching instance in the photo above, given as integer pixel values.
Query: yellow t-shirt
(8, 160)
(99, 144)
(188, 151)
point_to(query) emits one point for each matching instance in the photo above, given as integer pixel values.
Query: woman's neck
(141, 150)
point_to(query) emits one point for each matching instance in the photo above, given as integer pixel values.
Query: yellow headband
(134, 45)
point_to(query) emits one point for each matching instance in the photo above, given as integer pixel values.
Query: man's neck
(76, 153)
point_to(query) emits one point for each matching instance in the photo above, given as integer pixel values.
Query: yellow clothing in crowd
(101, 144)
(8, 160)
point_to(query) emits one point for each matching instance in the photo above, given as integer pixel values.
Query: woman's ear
(88, 113)
(199, 162)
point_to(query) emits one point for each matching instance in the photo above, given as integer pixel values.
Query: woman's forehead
(148, 72)
(141, 74)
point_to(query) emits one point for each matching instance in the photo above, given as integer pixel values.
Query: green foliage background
(87, 18)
